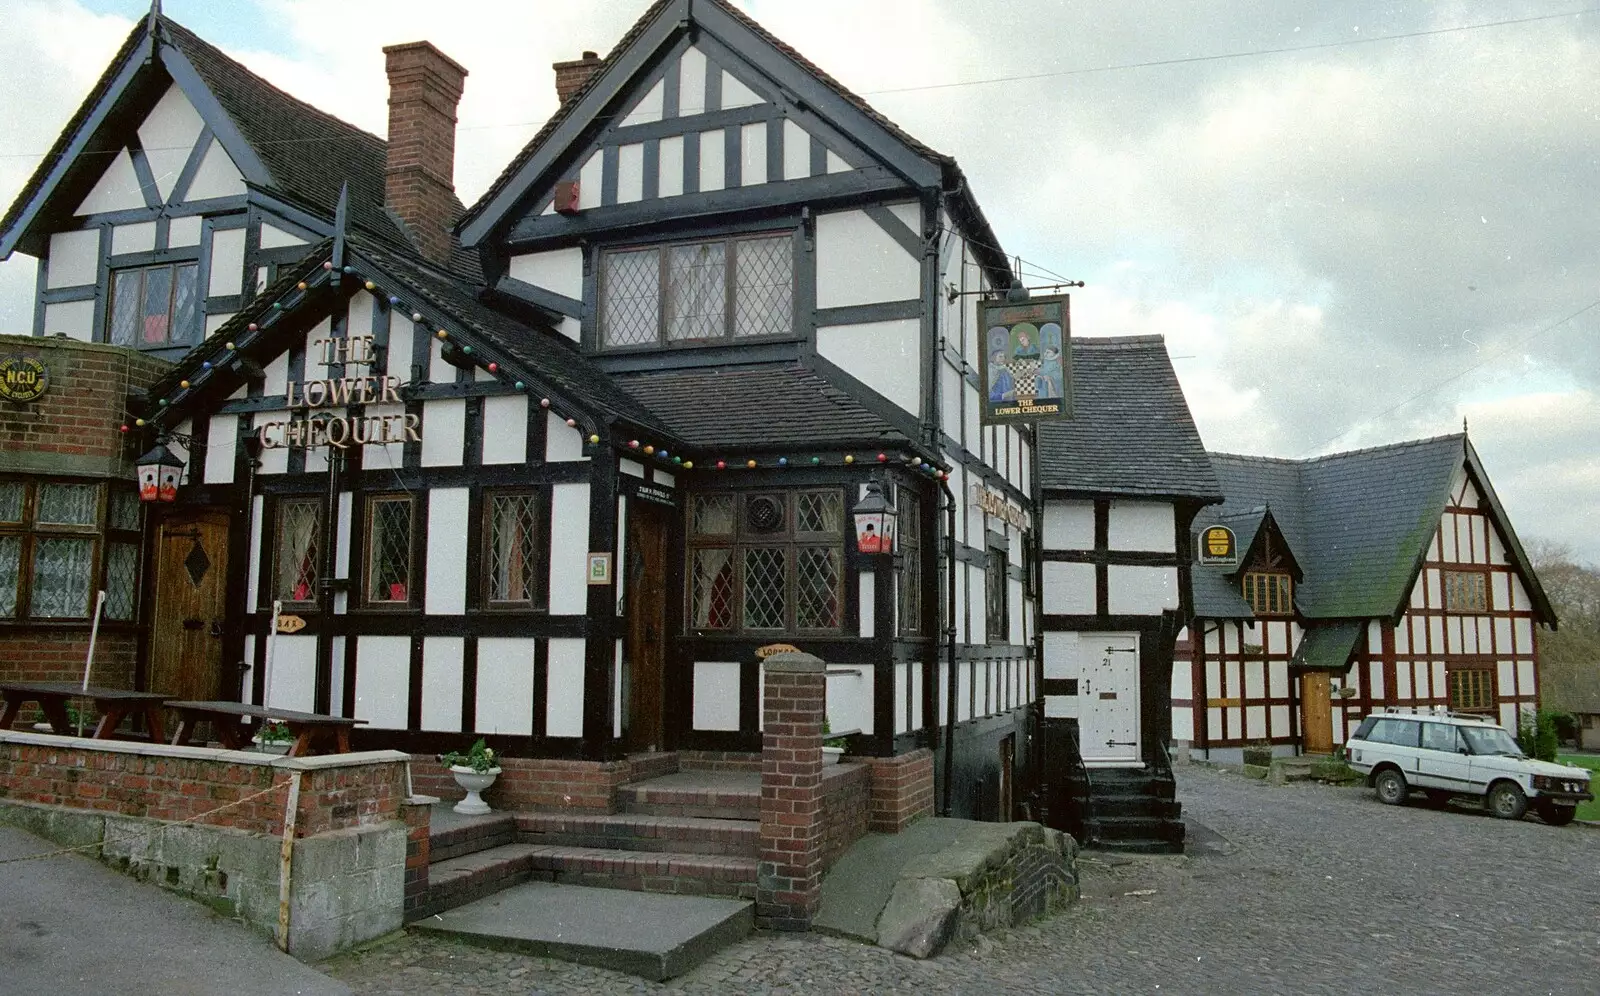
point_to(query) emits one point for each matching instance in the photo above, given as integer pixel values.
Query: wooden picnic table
(113, 705)
(306, 727)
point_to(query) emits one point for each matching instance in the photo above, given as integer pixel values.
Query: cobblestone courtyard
(1310, 889)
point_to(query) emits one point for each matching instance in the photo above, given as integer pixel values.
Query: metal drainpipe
(950, 642)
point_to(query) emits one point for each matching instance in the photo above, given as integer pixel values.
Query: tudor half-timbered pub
(1380, 578)
(552, 470)
(1122, 482)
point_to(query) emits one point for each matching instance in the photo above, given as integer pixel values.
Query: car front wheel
(1391, 786)
(1507, 801)
(1557, 816)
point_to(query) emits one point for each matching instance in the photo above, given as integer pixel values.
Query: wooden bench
(225, 717)
(112, 706)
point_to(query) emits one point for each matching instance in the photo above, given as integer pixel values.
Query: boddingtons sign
(322, 425)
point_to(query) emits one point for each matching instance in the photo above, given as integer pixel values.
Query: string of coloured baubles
(279, 307)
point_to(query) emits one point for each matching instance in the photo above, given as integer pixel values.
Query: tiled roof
(1130, 432)
(738, 407)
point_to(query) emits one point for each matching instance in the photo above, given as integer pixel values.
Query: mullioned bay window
(767, 563)
(61, 542)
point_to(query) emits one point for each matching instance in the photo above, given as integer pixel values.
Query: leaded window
(388, 550)
(63, 541)
(997, 591)
(1269, 593)
(1466, 591)
(766, 562)
(514, 541)
(697, 292)
(155, 306)
(1472, 689)
(297, 556)
(909, 521)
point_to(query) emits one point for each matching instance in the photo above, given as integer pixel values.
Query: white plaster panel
(908, 212)
(950, 401)
(971, 436)
(444, 424)
(916, 699)
(216, 177)
(1402, 683)
(736, 94)
(442, 671)
(716, 695)
(254, 581)
(1182, 683)
(184, 231)
(631, 468)
(867, 584)
(1375, 678)
(692, 81)
(836, 163)
(1278, 679)
(1497, 549)
(167, 136)
(439, 372)
(1519, 595)
(402, 332)
(563, 715)
(227, 262)
(559, 270)
(975, 605)
(1255, 722)
(1499, 591)
(1502, 635)
(649, 107)
(1452, 636)
(882, 355)
(1508, 715)
(505, 429)
(616, 689)
(1507, 679)
(383, 680)
(1255, 680)
(273, 237)
(1276, 637)
(1069, 525)
(859, 263)
(116, 190)
(140, 237)
(713, 161)
(384, 456)
(1141, 590)
(505, 685)
(1525, 677)
(74, 259)
(1523, 628)
(663, 478)
(1069, 588)
(670, 157)
(341, 543)
(1448, 536)
(1280, 721)
(796, 151)
(630, 173)
(561, 441)
(1014, 602)
(447, 554)
(1142, 525)
(589, 180)
(291, 679)
(1436, 634)
(961, 607)
(753, 151)
(75, 319)
(569, 539)
(900, 679)
(221, 440)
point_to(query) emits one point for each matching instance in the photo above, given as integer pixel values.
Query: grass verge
(1589, 810)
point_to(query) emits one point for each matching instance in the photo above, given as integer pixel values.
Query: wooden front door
(645, 650)
(191, 559)
(1316, 718)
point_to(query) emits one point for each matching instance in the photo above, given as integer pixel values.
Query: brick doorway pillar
(789, 879)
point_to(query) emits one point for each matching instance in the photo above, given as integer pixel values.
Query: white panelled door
(1108, 721)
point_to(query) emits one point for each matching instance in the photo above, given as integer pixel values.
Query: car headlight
(1544, 782)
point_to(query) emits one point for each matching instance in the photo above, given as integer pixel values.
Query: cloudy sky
(1355, 223)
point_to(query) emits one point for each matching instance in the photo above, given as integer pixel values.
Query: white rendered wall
(383, 681)
(447, 554)
(505, 685)
(885, 356)
(569, 546)
(216, 177)
(1069, 589)
(1141, 590)
(564, 696)
(167, 136)
(291, 679)
(227, 262)
(1142, 525)
(505, 429)
(859, 263)
(117, 189)
(716, 695)
(442, 680)
(1069, 525)
(74, 259)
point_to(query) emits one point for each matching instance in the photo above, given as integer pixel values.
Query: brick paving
(1312, 889)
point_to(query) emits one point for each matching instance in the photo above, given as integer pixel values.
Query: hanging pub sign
(1025, 363)
(23, 378)
(1218, 547)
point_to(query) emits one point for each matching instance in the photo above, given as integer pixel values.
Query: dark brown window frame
(730, 290)
(1482, 574)
(911, 548)
(997, 597)
(1491, 674)
(191, 335)
(29, 530)
(540, 602)
(1269, 593)
(370, 504)
(791, 539)
(279, 508)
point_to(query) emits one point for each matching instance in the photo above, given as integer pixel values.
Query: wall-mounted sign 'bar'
(342, 431)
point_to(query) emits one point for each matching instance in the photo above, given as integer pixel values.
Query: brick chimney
(571, 76)
(419, 178)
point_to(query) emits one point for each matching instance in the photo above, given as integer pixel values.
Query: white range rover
(1450, 755)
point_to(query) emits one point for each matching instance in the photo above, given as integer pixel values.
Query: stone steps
(642, 832)
(470, 834)
(695, 794)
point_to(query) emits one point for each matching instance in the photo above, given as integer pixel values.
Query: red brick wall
(534, 784)
(196, 789)
(844, 808)
(902, 790)
(789, 876)
(80, 413)
(55, 653)
(718, 760)
(424, 88)
(571, 76)
(419, 820)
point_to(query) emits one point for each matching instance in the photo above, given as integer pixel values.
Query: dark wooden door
(191, 560)
(1008, 760)
(1316, 717)
(646, 593)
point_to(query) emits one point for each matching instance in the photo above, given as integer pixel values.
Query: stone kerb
(792, 834)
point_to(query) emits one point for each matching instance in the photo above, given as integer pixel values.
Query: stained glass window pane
(696, 291)
(125, 288)
(122, 511)
(68, 504)
(513, 548)
(713, 515)
(711, 589)
(820, 512)
(10, 501)
(631, 301)
(389, 550)
(763, 300)
(61, 572)
(157, 305)
(183, 305)
(122, 564)
(299, 529)
(10, 562)
(816, 588)
(764, 588)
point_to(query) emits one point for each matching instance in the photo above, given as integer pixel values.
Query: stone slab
(650, 935)
(861, 881)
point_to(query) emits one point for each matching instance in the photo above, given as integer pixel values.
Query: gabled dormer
(1268, 572)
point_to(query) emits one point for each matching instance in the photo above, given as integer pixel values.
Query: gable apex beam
(615, 78)
(733, 35)
(222, 126)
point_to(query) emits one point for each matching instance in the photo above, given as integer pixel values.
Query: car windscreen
(1490, 740)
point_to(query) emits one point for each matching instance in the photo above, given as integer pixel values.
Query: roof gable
(644, 92)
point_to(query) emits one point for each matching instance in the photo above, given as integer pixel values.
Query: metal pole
(272, 641)
(88, 663)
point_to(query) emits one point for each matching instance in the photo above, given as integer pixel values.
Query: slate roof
(1130, 432)
(1326, 647)
(730, 408)
(1358, 523)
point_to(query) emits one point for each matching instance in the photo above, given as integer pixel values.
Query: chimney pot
(419, 178)
(571, 76)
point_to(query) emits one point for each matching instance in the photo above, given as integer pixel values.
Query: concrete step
(451, 835)
(460, 880)
(1135, 805)
(1139, 833)
(721, 795)
(653, 936)
(645, 871)
(638, 832)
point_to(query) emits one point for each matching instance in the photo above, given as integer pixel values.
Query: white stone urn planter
(473, 782)
(831, 755)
